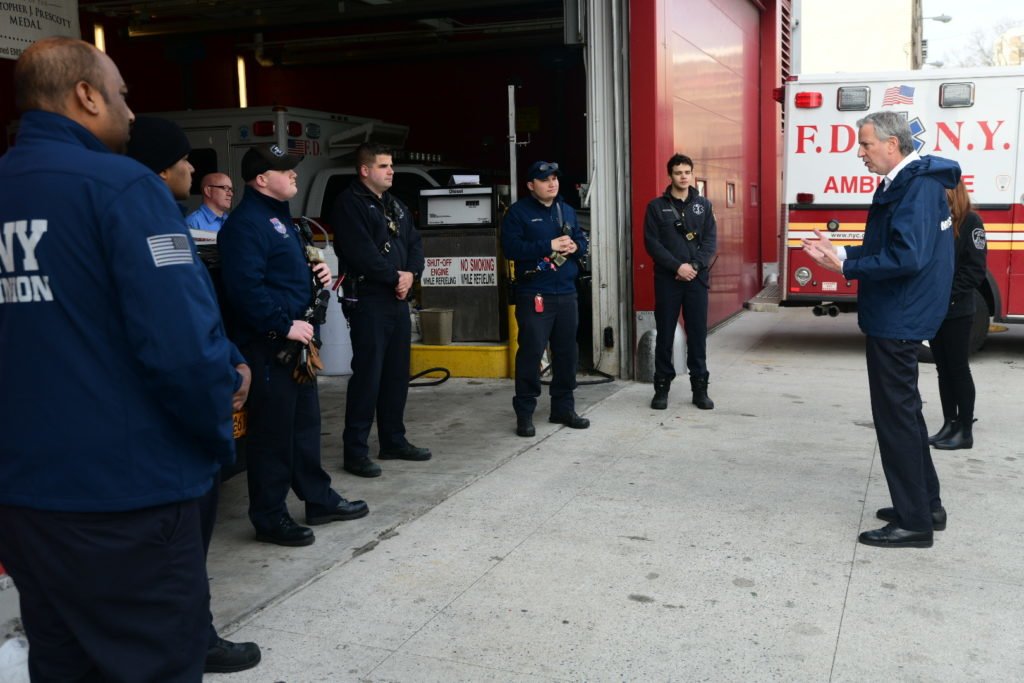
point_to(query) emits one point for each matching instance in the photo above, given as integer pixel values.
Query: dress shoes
(225, 657)
(570, 420)
(524, 426)
(891, 536)
(363, 467)
(938, 517)
(286, 532)
(343, 511)
(406, 452)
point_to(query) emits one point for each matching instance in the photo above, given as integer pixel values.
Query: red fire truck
(970, 115)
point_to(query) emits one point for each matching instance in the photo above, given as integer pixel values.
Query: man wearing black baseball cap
(541, 234)
(269, 284)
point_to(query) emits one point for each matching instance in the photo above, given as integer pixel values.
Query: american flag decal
(903, 94)
(170, 250)
(298, 147)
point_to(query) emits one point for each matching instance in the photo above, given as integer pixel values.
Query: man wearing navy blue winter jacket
(904, 269)
(117, 383)
(541, 234)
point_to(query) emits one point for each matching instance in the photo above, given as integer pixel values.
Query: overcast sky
(946, 41)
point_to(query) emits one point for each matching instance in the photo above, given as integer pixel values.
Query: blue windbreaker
(905, 264)
(115, 371)
(526, 234)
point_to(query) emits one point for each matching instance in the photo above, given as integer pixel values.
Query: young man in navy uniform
(163, 147)
(680, 235)
(111, 440)
(268, 283)
(541, 235)
(378, 244)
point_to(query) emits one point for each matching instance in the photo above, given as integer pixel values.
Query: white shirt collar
(891, 175)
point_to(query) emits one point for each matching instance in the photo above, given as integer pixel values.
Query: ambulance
(973, 116)
(221, 137)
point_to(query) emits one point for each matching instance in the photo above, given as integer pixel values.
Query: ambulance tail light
(294, 129)
(808, 100)
(263, 129)
(804, 197)
(779, 94)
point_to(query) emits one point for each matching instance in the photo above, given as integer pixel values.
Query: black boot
(962, 437)
(942, 434)
(660, 400)
(699, 385)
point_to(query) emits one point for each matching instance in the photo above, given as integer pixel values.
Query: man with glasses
(541, 234)
(268, 283)
(217, 195)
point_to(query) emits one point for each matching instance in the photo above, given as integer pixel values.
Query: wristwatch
(696, 266)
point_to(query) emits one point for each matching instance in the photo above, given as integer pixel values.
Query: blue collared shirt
(204, 218)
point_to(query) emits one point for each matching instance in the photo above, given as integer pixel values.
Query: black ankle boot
(699, 385)
(962, 437)
(661, 386)
(944, 433)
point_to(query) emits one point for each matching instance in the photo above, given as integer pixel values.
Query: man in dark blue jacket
(541, 234)
(681, 235)
(376, 240)
(904, 269)
(163, 147)
(268, 283)
(117, 381)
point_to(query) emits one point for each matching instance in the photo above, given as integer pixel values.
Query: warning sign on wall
(460, 271)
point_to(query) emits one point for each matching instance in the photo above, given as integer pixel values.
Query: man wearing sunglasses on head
(541, 234)
(217, 195)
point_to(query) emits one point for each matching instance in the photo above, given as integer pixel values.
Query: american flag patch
(170, 250)
(902, 94)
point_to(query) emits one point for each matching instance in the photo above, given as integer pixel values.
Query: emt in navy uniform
(163, 147)
(378, 244)
(541, 234)
(268, 284)
(118, 402)
(905, 272)
(681, 235)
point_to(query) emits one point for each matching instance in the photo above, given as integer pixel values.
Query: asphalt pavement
(678, 545)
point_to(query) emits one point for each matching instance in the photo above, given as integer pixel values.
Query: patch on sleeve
(170, 250)
(978, 235)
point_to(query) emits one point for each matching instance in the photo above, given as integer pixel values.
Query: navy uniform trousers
(379, 385)
(283, 440)
(902, 434)
(671, 295)
(110, 596)
(556, 324)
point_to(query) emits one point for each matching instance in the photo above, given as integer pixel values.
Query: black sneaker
(226, 657)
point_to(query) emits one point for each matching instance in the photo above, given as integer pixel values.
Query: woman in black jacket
(951, 344)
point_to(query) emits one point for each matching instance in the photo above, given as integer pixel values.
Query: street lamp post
(918, 51)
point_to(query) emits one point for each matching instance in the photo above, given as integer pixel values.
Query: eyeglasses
(548, 168)
(226, 188)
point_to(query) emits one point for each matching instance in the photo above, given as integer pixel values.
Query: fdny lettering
(27, 287)
(949, 135)
(946, 224)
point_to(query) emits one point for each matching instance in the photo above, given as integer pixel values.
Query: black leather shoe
(343, 511)
(524, 426)
(286, 532)
(226, 657)
(362, 468)
(406, 452)
(891, 536)
(938, 517)
(571, 420)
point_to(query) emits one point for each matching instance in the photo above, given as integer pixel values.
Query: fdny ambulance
(971, 115)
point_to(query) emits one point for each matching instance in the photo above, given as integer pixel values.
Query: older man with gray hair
(905, 272)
